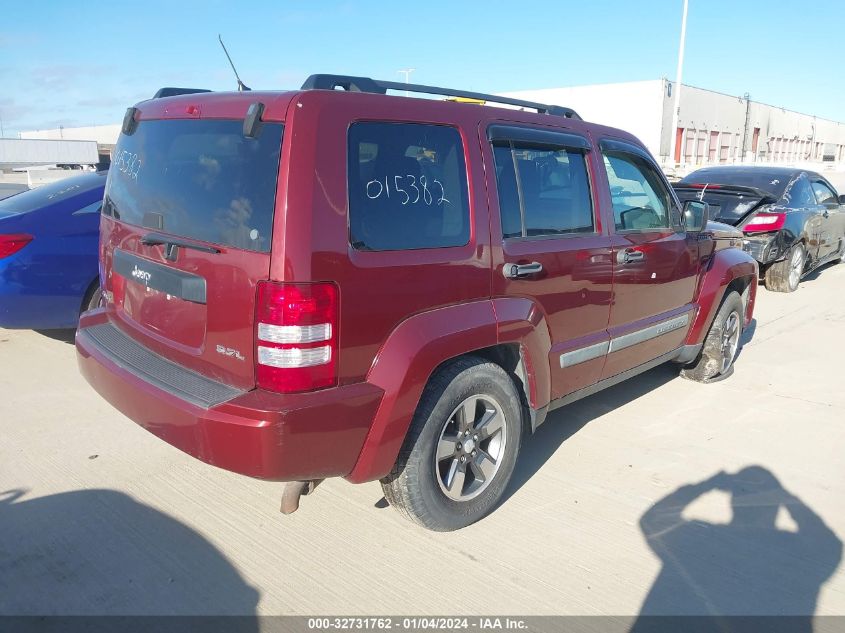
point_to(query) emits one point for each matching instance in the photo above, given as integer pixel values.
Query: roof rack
(172, 92)
(377, 86)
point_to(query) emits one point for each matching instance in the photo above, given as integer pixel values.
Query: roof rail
(172, 92)
(377, 86)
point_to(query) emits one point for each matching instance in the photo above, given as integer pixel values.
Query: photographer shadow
(100, 552)
(749, 566)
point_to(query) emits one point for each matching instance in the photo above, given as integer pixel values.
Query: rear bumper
(765, 247)
(282, 437)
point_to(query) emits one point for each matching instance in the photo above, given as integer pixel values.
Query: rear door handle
(519, 271)
(826, 214)
(628, 255)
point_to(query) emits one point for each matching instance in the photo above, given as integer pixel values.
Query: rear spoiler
(172, 92)
(700, 188)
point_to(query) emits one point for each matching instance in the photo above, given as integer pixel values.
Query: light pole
(677, 94)
(407, 72)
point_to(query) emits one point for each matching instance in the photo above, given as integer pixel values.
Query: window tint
(823, 193)
(542, 191)
(640, 200)
(407, 187)
(200, 179)
(799, 195)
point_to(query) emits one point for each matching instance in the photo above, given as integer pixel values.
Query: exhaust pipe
(293, 491)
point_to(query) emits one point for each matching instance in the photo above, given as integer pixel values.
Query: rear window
(723, 207)
(774, 184)
(202, 180)
(407, 187)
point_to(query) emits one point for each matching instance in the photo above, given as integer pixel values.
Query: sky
(83, 63)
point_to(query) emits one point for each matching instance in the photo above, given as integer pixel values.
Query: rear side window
(199, 179)
(823, 193)
(799, 195)
(407, 187)
(641, 202)
(542, 191)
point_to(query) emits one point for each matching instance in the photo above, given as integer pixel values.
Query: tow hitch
(293, 491)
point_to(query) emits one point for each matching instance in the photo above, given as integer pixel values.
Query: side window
(800, 195)
(407, 187)
(641, 201)
(542, 191)
(823, 193)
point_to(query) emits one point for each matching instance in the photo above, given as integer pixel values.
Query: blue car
(48, 253)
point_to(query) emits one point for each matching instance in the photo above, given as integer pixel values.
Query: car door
(655, 263)
(549, 243)
(831, 222)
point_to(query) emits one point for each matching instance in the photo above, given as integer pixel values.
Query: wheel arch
(425, 342)
(729, 269)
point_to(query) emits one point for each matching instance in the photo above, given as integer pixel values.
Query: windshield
(773, 183)
(198, 179)
(51, 193)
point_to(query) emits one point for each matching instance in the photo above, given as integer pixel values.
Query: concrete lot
(99, 516)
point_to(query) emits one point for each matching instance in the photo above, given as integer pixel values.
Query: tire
(418, 485)
(93, 297)
(784, 276)
(722, 343)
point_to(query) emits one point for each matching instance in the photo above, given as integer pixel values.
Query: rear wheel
(783, 276)
(722, 342)
(461, 448)
(93, 297)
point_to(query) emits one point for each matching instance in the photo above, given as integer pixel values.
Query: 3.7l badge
(228, 351)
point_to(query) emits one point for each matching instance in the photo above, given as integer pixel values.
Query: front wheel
(722, 343)
(461, 448)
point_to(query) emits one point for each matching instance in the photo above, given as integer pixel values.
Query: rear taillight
(296, 336)
(11, 244)
(765, 222)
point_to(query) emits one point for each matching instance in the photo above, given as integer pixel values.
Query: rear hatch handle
(172, 244)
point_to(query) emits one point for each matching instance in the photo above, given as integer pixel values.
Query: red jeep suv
(334, 282)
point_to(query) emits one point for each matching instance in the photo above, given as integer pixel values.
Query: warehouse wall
(720, 128)
(103, 134)
(714, 127)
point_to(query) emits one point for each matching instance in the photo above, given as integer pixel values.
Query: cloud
(102, 102)
(63, 76)
(10, 110)
(18, 40)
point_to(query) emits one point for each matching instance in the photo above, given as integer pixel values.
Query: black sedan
(793, 219)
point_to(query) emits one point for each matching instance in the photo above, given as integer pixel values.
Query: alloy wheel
(730, 340)
(796, 264)
(470, 448)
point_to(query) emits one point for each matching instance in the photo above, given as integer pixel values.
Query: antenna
(241, 85)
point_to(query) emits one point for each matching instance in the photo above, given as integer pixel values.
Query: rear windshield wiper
(172, 245)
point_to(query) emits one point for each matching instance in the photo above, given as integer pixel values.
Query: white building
(105, 135)
(712, 127)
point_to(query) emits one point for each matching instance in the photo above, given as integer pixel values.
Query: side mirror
(842, 199)
(696, 215)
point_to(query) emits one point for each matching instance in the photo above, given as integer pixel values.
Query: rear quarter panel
(43, 285)
(378, 290)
